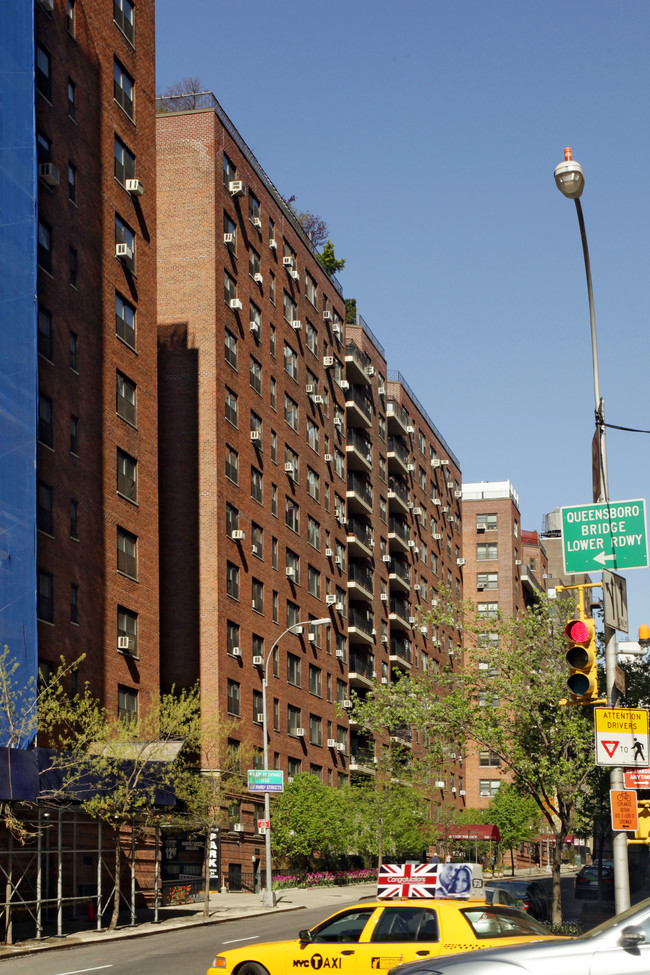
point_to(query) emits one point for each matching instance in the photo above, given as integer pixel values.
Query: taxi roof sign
(458, 880)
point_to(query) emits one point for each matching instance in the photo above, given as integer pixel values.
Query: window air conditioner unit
(417, 511)
(453, 789)
(424, 630)
(444, 507)
(289, 779)
(297, 630)
(254, 328)
(328, 360)
(238, 534)
(254, 550)
(258, 278)
(238, 828)
(458, 495)
(340, 747)
(437, 536)
(290, 572)
(480, 529)
(409, 505)
(439, 784)
(338, 560)
(327, 316)
(317, 399)
(417, 587)
(236, 188)
(256, 222)
(258, 661)
(347, 704)
(310, 388)
(384, 639)
(340, 654)
(49, 174)
(410, 429)
(544, 575)
(437, 502)
(235, 652)
(329, 552)
(385, 558)
(460, 561)
(135, 187)
(235, 304)
(517, 561)
(338, 421)
(412, 620)
(123, 252)
(336, 330)
(256, 434)
(445, 463)
(295, 275)
(287, 261)
(124, 643)
(328, 458)
(381, 390)
(331, 742)
(411, 543)
(339, 607)
(47, 5)
(384, 680)
(450, 517)
(273, 244)
(435, 462)
(288, 468)
(229, 238)
(296, 325)
(462, 793)
(480, 588)
(410, 467)
(384, 597)
(344, 384)
(371, 371)
(330, 599)
(260, 716)
(311, 637)
(299, 732)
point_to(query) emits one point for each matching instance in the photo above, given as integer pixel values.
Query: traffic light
(581, 658)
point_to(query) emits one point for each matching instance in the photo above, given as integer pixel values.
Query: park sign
(608, 535)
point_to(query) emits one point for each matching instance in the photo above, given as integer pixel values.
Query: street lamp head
(325, 621)
(569, 177)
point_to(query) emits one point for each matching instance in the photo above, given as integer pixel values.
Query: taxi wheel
(251, 968)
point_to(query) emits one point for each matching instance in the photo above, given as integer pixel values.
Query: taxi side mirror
(632, 936)
(305, 935)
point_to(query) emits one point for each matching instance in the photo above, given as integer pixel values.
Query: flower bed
(324, 878)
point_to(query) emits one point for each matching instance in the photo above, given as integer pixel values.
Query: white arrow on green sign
(609, 535)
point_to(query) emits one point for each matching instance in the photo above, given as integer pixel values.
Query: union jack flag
(407, 880)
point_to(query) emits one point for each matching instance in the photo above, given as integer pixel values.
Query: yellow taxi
(376, 935)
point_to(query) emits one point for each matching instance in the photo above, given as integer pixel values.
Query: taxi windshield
(343, 927)
(500, 922)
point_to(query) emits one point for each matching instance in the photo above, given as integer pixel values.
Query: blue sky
(426, 134)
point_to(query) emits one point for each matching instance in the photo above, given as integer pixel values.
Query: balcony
(356, 365)
(359, 408)
(360, 670)
(400, 653)
(399, 614)
(358, 451)
(360, 625)
(360, 585)
(397, 419)
(359, 494)
(399, 575)
(398, 495)
(360, 540)
(402, 735)
(398, 534)
(362, 761)
(398, 455)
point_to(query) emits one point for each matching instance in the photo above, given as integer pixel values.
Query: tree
(515, 815)
(329, 260)
(308, 821)
(505, 699)
(350, 311)
(183, 94)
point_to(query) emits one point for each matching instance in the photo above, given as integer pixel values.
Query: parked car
(497, 895)
(586, 882)
(618, 946)
(528, 895)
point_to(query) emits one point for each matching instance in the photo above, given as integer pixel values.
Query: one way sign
(622, 737)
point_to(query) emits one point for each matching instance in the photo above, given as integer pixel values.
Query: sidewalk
(223, 907)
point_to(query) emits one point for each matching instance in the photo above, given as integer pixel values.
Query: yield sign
(610, 747)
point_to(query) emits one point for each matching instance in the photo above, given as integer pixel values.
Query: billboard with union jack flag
(430, 880)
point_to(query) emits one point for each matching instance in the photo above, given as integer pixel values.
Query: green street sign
(271, 781)
(609, 535)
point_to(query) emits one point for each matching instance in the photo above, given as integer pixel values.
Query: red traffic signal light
(581, 658)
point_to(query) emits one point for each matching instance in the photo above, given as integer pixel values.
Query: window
(423, 479)
(272, 287)
(124, 320)
(273, 394)
(487, 580)
(45, 425)
(254, 266)
(293, 614)
(292, 515)
(127, 703)
(315, 681)
(489, 787)
(123, 88)
(125, 235)
(272, 340)
(258, 707)
(274, 446)
(234, 698)
(45, 596)
(126, 399)
(275, 607)
(315, 731)
(291, 412)
(257, 590)
(73, 265)
(124, 162)
(255, 318)
(232, 465)
(256, 485)
(313, 581)
(274, 554)
(231, 407)
(291, 464)
(229, 288)
(488, 758)
(74, 602)
(72, 100)
(230, 228)
(293, 670)
(311, 290)
(232, 519)
(254, 210)
(293, 565)
(44, 506)
(229, 170)
(127, 626)
(295, 764)
(231, 348)
(290, 361)
(486, 522)
(124, 17)
(44, 247)
(313, 484)
(74, 520)
(127, 553)
(339, 464)
(45, 345)
(289, 308)
(232, 580)
(71, 17)
(256, 375)
(43, 71)
(311, 338)
(74, 435)
(73, 349)
(484, 552)
(274, 500)
(72, 183)
(256, 427)
(232, 636)
(488, 610)
(313, 533)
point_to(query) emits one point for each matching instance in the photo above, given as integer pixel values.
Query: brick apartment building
(97, 508)
(298, 478)
(505, 571)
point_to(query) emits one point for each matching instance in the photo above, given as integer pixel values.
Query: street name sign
(611, 535)
(622, 736)
(636, 778)
(625, 812)
(271, 781)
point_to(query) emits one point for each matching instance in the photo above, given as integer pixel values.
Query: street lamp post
(570, 180)
(268, 897)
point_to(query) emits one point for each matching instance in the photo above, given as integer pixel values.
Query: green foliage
(516, 816)
(308, 820)
(329, 260)
(350, 311)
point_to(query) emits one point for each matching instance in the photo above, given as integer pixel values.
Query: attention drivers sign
(622, 737)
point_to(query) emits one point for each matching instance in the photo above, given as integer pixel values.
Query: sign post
(610, 535)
